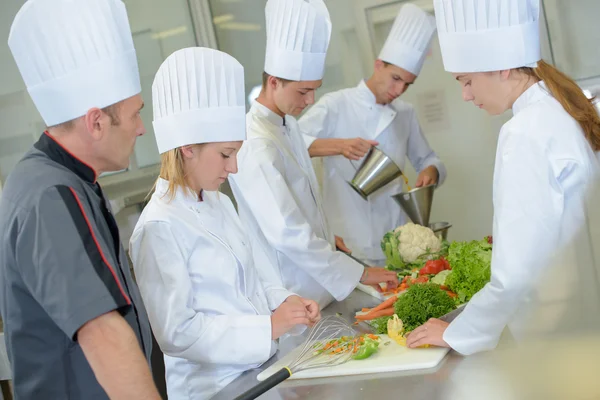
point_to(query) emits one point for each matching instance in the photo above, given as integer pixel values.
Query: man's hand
(353, 149)
(340, 245)
(428, 176)
(373, 276)
(357, 148)
(113, 351)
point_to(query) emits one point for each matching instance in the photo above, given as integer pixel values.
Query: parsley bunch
(422, 302)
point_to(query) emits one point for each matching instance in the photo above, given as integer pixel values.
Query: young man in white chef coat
(348, 122)
(276, 187)
(545, 167)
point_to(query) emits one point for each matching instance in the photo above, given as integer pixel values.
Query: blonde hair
(571, 97)
(172, 170)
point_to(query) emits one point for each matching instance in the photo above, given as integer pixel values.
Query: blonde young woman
(211, 314)
(546, 160)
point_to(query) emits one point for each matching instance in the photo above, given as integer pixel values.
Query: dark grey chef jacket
(61, 265)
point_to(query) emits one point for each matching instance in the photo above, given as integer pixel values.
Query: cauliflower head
(415, 241)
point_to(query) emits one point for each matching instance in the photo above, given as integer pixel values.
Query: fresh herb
(422, 302)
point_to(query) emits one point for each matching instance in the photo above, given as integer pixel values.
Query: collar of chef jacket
(271, 116)
(182, 195)
(365, 95)
(534, 94)
(377, 117)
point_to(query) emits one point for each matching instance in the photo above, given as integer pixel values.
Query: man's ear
(379, 64)
(273, 82)
(96, 122)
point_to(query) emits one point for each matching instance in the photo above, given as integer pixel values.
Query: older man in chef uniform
(373, 112)
(276, 187)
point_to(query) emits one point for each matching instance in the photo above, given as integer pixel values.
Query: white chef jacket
(351, 113)
(544, 170)
(279, 202)
(210, 313)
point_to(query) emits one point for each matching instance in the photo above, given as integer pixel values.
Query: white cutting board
(390, 358)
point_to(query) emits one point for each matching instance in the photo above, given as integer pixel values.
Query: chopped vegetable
(471, 268)
(441, 278)
(422, 302)
(367, 348)
(409, 281)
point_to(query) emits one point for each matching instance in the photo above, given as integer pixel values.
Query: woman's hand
(431, 332)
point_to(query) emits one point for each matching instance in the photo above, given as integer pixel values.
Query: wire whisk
(332, 341)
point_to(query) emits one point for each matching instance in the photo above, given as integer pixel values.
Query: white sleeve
(179, 329)
(528, 210)
(420, 152)
(276, 294)
(265, 191)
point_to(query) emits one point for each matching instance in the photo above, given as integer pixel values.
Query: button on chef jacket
(351, 113)
(280, 204)
(61, 265)
(544, 170)
(210, 313)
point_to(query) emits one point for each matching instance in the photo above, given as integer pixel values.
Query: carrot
(444, 287)
(386, 304)
(451, 294)
(365, 310)
(386, 312)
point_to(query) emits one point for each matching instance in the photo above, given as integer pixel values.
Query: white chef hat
(74, 55)
(492, 35)
(298, 33)
(410, 39)
(198, 97)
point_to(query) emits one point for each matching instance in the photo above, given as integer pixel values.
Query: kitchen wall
(240, 31)
(159, 27)
(466, 142)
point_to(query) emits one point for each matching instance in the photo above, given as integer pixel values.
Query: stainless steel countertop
(419, 384)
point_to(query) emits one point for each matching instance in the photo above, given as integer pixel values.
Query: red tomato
(434, 267)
